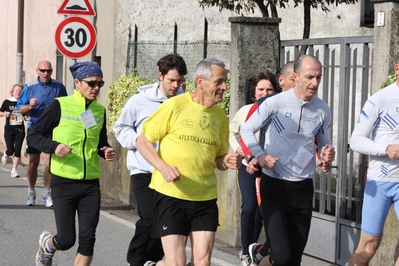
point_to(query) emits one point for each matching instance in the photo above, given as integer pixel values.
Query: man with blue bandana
(78, 133)
(35, 97)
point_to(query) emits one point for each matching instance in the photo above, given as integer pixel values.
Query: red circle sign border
(89, 48)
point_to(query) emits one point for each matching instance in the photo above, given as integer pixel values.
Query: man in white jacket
(376, 134)
(143, 249)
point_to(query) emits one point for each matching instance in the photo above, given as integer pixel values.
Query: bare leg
(202, 245)
(175, 250)
(46, 174)
(265, 261)
(15, 162)
(32, 169)
(81, 260)
(366, 249)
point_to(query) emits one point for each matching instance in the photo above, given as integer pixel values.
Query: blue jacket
(44, 92)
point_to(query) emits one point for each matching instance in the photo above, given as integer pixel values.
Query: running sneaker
(254, 253)
(245, 260)
(43, 257)
(31, 199)
(4, 158)
(14, 173)
(46, 198)
(150, 263)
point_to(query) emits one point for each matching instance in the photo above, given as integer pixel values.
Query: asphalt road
(20, 227)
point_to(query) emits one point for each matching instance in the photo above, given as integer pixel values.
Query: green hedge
(390, 79)
(125, 86)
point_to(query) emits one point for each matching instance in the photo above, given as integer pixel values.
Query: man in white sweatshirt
(376, 134)
(143, 249)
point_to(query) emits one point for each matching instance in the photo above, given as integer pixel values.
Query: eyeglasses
(45, 70)
(94, 83)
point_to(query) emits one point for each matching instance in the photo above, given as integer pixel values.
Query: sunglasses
(94, 83)
(45, 70)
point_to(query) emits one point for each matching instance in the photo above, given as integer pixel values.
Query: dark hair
(267, 75)
(172, 61)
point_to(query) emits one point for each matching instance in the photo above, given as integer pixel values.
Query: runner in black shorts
(193, 140)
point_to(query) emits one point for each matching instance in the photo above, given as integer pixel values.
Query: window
(367, 14)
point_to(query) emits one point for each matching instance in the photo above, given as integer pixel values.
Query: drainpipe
(20, 42)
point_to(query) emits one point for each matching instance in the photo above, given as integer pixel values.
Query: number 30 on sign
(75, 37)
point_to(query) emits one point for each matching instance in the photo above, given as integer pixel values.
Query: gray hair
(203, 68)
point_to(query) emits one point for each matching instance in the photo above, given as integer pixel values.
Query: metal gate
(337, 202)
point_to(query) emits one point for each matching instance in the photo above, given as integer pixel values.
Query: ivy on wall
(390, 79)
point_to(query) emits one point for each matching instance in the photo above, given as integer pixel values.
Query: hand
(170, 173)
(62, 150)
(328, 153)
(32, 101)
(109, 153)
(324, 166)
(392, 151)
(252, 166)
(6, 114)
(267, 161)
(233, 160)
(239, 151)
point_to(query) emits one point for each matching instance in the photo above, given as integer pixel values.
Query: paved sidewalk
(226, 255)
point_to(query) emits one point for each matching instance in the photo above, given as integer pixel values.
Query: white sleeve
(324, 134)
(124, 128)
(259, 118)
(235, 125)
(361, 136)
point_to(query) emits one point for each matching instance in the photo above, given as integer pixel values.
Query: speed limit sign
(75, 37)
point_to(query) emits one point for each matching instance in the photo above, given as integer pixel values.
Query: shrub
(120, 91)
(125, 86)
(390, 79)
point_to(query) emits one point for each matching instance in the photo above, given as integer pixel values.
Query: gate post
(386, 46)
(254, 47)
(386, 40)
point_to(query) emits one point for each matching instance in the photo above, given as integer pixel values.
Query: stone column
(254, 47)
(386, 41)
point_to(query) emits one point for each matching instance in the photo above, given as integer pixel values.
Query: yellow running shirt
(190, 136)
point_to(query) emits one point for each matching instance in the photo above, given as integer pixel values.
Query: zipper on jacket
(84, 156)
(300, 118)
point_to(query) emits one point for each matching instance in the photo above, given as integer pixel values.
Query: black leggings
(14, 137)
(287, 212)
(71, 196)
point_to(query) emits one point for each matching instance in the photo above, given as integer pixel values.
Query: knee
(282, 259)
(365, 251)
(249, 208)
(86, 245)
(64, 243)
(33, 164)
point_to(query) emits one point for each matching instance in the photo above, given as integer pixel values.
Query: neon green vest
(82, 163)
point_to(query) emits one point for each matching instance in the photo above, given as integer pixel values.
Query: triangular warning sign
(76, 7)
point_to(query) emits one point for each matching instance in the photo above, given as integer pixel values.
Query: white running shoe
(245, 260)
(14, 173)
(4, 158)
(47, 200)
(150, 263)
(43, 257)
(31, 199)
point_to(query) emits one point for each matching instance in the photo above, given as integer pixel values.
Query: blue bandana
(83, 70)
